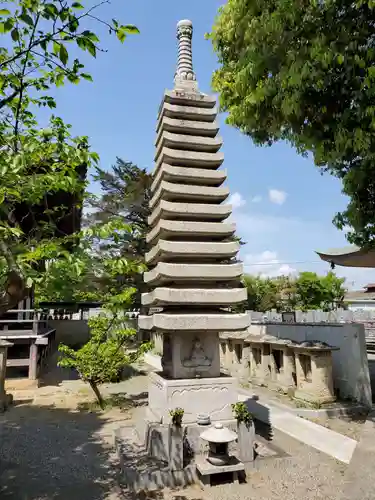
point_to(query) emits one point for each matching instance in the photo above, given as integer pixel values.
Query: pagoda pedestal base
(212, 396)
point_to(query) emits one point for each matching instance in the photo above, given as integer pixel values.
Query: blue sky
(283, 206)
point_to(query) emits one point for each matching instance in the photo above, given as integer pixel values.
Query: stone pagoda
(194, 276)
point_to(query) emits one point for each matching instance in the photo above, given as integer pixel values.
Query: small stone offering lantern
(218, 438)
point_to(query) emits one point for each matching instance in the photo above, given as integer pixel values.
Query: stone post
(314, 373)
(288, 381)
(33, 364)
(175, 445)
(5, 399)
(246, 437)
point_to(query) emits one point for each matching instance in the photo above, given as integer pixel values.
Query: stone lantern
(218, 438)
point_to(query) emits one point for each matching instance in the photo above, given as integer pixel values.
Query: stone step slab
(178, 126)
(180, 157)
(164, 296)
(189, 192)
(207, 212)
(180, 322)
(191, 251)
(167, 272)
(166, 229)
(185, 98)
(187, 142)
(187, 112)
(193, 176)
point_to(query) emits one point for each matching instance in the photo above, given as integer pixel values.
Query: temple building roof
(367, 293)
(349, 256)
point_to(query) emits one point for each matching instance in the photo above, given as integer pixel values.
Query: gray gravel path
(54, 453)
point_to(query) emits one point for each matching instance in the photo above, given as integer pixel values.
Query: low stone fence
(365, 317)
(350, 372)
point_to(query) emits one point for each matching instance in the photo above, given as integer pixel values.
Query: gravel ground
(305, 474)
(51, 451)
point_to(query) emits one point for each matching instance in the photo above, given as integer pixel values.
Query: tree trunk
(15, 291)
(15, 288)
(98, 396)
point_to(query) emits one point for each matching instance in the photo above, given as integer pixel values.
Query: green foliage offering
(304, 72)
(40, 163)
(242, 414)
(104, 356)
(307, 291)
(177, 415)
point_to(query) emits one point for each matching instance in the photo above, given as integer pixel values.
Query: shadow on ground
(51, 453)
(120, 400)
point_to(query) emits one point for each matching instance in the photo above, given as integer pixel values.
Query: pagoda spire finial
(185, 76)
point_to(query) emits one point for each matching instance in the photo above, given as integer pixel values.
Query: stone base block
(156, 438)
(207, 470)
(312, 398)
(142, 472)
(213, 396)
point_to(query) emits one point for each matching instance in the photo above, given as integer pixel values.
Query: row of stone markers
(303, 369)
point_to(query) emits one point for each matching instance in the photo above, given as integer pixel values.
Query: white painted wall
(350, 365)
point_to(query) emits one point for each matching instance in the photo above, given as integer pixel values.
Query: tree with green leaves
(112, 343)
(304, 72)
(42, 169)
(111, 348)
(125, 192)
(284, 293)
(262, 293)
(319, 292)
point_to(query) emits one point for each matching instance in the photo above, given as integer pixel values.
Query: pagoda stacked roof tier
(193, 274)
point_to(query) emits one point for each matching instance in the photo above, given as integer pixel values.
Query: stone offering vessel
(193, 275)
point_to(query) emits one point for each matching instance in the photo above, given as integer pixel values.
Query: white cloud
(266, 264)
(236, 200)
(256, 199)
(276, 196)
(296, 240)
